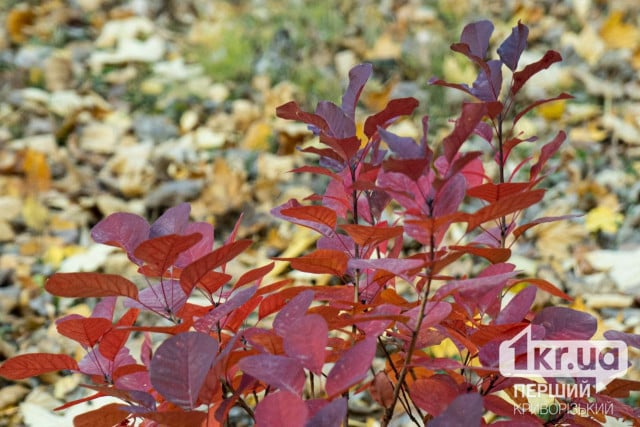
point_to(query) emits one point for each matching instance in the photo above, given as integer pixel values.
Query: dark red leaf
(30, 365)
(320, 261)
(521, 77)
(472, 114)
(177, 418)
(547, 151)
(281, 372)
(365, 235)
(543, 285)
(620, 387)
(195, 271)
(513, 46)
(520, 230)
(106, 416)
(85, 285)
(179, 367)
(351, 367)
(274, 409)
(291, 111)
(85, 331)
(394, 109)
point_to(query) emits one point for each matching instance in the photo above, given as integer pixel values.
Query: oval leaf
(85, 285)
(282, 372)
(30, 365)
(280, 406)
(351, 367)
(180, 365)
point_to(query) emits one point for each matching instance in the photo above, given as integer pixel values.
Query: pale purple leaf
(513, 46)
(240, 296)
(173, 221)
(358, 77)
(487, 88)
(556, 319)
(352, 366)
(274, 409)
(632, 340)
(403, 146)
(282, 372)
(122, 229)
(477, 283)
(330, 415)
(340, 124)
(165, 297)
(450, 196)
(180, 365)
(465, 410)
(201, 248)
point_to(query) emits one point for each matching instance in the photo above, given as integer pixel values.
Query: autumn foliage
(280, 350)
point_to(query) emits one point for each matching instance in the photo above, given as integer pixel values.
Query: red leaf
(492, 192)
(106, 416)
(291, 111)
(85, 331)
(162, 252)
(114, 340)
(365, 235)
(306, 340)
(504, 206)
(520, 230)
(620, 388)
(213, 280)
(30, 365)
(521, 77)
(253, 275)
(274, 409)
(472, 114)
(394, 109)
(179, 367)
(320, 261)
(195, 271)
(177, 418)
(318, 218)
(433, 394)
(351, 367)
(547, 151)
(282, 372)
(494, 255)
(85, 285)
(545, 286)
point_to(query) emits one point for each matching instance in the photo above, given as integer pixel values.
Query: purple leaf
(518, 307)
(403, 146)
(240, 296)
(306, 340)
(295, 309)
(476, 35)
(340, 124)
(450, 196)
(180, 365)
(478, 284)
(165, 297)
(435, 312)
(352, 366)
(556, 319)
(125, 230)
(547, 151)
(330, 415)
(632, 340)
(513, 46)
(487, 88)
(277, 407)
(465, 410)
(281, 372)
(358, 77)
(173, 221)
(434, 394)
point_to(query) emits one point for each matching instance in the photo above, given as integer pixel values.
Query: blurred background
(114, 105)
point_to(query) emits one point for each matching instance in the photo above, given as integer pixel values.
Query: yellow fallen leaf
(552, 110)
(603, 218)
(617, 34)
(35, 214)
(37, 170)
(18, 20)
(257, 137)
